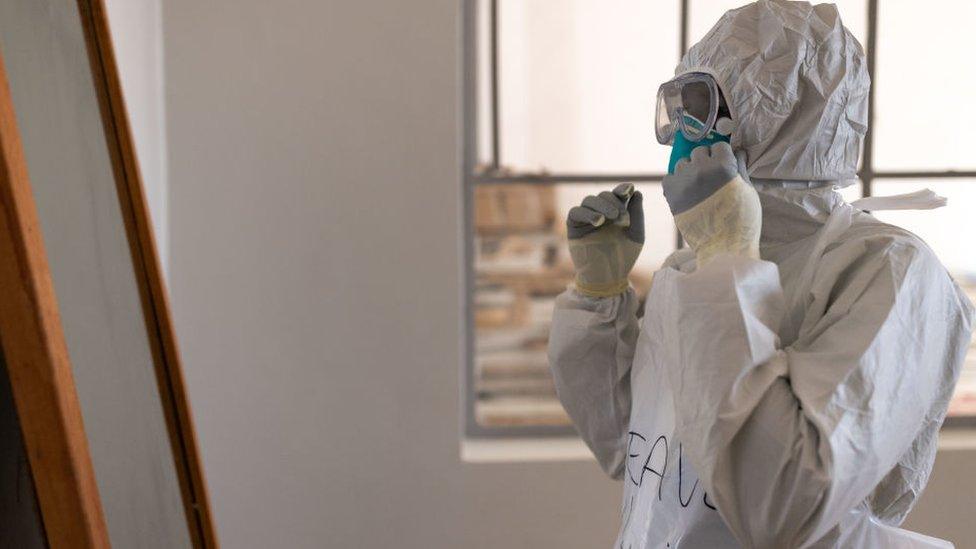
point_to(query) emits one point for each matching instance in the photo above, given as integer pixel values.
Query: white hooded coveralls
(792, 401)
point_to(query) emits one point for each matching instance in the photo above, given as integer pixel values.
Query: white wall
(138, 39)
(946, 507)
(314, 187)
(314, 191)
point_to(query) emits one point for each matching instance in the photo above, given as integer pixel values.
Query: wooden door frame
(37, 358)
(33, 341)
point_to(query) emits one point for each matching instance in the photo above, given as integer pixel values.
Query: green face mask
(682, 147)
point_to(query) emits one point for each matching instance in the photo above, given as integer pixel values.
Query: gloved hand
(606, 234)
(715, 209)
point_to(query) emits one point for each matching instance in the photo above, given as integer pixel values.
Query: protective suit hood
(797, 84)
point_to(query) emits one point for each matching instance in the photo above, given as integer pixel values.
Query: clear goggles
(689, 103)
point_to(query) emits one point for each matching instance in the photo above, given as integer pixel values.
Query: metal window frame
(496, 174)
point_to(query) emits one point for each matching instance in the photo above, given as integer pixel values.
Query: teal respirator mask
(691, 112)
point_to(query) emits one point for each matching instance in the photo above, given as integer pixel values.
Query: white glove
(606, 234)
(715, 209)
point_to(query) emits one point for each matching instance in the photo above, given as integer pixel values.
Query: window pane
(703, 14)
(923, 87)
(948, 231)
(578, 80)
(521, 265)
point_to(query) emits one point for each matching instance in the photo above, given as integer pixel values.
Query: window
(559, 104)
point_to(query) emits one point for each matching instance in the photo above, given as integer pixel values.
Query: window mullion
(867, 164)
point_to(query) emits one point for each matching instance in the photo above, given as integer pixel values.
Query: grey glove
(715, 209)
(695, 179)
(606, 234)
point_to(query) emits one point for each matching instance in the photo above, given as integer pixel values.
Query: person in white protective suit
(787, 381)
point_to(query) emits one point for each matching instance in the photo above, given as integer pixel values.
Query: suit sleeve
(787, 440)
(591, 349)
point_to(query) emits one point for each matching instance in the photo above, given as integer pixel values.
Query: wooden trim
(146, 263)
(37, 358)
